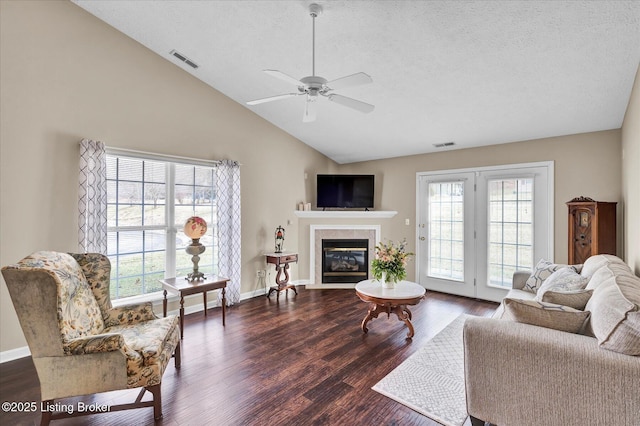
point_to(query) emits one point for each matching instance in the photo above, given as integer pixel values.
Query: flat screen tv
(345, 191)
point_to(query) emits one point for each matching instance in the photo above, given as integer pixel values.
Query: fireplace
(348, 239)
(345, 260)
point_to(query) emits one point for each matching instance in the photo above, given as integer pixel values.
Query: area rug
(431, 381)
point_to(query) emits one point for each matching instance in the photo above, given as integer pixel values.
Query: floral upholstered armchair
(79, 342)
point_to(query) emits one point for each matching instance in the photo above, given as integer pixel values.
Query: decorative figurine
(279, 239)
(195, 228)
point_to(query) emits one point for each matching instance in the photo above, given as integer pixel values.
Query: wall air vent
(442, 145)
(184, 59)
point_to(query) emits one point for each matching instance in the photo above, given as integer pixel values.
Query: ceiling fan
(314, 85)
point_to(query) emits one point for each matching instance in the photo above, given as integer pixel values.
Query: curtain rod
(162, 157)
(152, 155)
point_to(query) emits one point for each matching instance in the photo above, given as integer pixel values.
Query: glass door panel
(446, 230)
(510, 228)
(514, 220)
(445, 240)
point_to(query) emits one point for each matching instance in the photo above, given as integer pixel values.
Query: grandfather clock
(592, 229)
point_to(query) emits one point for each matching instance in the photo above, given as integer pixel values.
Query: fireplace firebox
(345, 260)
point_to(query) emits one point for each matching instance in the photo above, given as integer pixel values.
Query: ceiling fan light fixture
(315, 85)
(309, 110)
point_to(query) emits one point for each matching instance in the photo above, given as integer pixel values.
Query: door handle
(422, 238)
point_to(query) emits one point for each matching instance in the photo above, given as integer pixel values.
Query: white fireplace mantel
(317, 232)
(345, 214)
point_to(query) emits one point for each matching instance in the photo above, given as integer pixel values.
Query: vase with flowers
(389, 265)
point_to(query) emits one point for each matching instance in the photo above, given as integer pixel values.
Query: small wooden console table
(185, 287)
(281, 262)
(390, 300)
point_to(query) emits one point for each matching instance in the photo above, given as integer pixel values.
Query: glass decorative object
(195, 228)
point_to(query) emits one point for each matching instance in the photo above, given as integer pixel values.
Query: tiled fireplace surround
(320, 232)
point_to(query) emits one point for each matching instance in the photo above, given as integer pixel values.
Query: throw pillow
(563, 287)
(541, 272)
(576, 299)
(542, 314)
(564, 279)
(615, 307)
(594, 263)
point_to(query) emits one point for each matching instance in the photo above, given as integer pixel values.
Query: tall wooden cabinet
(592, 229)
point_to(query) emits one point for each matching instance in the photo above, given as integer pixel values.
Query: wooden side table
(281, 262)
(185, 287)
(387, 300)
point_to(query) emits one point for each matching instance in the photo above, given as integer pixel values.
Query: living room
(66, 75)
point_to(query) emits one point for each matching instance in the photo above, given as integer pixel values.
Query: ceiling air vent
(442, 145)
(184, 59)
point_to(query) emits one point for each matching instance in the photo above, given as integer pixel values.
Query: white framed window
(149, 198)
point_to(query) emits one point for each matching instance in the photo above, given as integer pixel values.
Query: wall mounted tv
(345, 191)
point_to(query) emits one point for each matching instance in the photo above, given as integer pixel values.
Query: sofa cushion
(544, 314)
(541, 272)
(615, 307)
(594, 263)
(520, 294)
(514, 293)
(576, 299)
(600, 276)
(148, 348)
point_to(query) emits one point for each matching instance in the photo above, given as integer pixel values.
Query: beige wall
(585, 164)
(631, 177)
(65, 75)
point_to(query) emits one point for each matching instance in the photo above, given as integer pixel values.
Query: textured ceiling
(472, 72)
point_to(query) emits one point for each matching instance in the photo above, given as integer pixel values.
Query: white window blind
(149, 198)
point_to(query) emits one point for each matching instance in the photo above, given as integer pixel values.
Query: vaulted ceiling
(470, 72)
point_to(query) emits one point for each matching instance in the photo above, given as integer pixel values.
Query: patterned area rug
(431, 381)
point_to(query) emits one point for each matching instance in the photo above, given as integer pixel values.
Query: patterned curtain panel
(92, 202)
(228, 193)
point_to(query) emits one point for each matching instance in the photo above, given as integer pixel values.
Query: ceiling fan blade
(351, 103)
(285, 77)
(272, 98)
(356, 79)
(309, 110)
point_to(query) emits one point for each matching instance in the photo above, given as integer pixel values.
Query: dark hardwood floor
(301, 361)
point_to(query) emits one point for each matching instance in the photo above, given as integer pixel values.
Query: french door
(477, 226)
(445, 233)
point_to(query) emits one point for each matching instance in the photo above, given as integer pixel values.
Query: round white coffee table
(390, 300)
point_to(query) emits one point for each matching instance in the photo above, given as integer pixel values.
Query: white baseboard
(13, 354)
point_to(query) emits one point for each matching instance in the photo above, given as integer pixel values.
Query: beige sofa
(522, 374)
